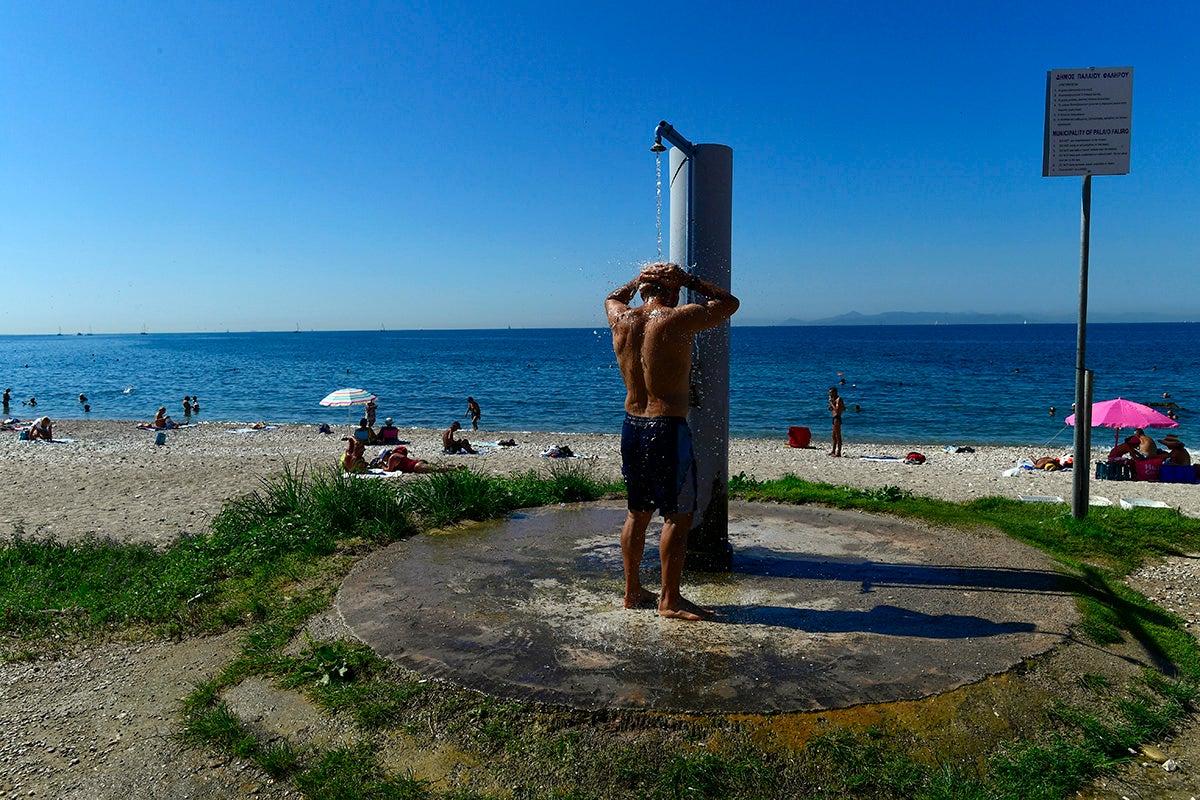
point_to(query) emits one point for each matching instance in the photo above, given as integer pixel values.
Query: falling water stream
(658, 200)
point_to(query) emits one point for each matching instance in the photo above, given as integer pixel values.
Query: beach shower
(701, 222)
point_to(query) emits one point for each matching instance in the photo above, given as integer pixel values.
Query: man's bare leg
(672, 549)
(633, 545)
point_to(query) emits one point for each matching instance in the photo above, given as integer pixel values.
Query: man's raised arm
(720, 304)
(618, 299)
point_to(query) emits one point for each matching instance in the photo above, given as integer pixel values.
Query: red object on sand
(799, 436)
(1147, 469)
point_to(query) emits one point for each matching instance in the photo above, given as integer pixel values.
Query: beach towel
(377, 474)
(1040, 498)
(878, 458)
(252, 430)
(1130, 503)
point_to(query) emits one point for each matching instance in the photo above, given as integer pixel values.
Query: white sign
(1089, 113)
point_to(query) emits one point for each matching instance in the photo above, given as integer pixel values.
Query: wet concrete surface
(823, 609)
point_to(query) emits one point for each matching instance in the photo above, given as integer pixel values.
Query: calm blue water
(960, 384)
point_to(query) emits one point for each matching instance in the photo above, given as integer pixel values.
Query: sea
(953, 384)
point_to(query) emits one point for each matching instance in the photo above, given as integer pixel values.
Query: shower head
(665, 131)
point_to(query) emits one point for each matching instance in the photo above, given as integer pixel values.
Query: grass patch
(273, 559)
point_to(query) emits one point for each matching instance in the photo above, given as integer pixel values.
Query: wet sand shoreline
(111, 479)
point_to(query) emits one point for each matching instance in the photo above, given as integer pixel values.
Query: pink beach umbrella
(1122, 413)
(348, 398)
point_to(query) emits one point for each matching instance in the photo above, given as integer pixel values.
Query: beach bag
(1120, 470)
(914, 458)
(799, 436)
(1147, 469)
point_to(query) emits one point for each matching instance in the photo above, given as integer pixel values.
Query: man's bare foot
(686, 610)
(647, 599)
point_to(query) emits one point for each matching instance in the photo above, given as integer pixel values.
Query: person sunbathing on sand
(398, 461)
(161, 420)
(42, 430)
(1177, 451)
(653, 346)
(453, 445)
(352, 460)
(1126, 449)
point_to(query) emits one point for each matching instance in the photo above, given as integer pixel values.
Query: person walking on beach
(653, 346)
(7, 399)
(473, 410)
(837, 407)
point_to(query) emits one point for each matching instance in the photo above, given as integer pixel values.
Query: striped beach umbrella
(348, 398)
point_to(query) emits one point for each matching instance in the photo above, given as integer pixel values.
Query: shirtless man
(837, 407)
(452, 444)
(653, 345)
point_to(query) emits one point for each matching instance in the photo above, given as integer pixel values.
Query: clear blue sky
(235, 166)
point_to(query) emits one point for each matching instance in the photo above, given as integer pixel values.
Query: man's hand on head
(669, 276)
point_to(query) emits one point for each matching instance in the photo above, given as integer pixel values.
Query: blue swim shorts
(658, 465)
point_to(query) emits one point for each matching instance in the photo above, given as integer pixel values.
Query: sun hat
(1171, 440)
(388, 420)
(402, 450)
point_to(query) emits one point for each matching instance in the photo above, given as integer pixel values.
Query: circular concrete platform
(823, 609)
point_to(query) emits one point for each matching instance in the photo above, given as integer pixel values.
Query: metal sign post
(1089, 113)
(1082, 459)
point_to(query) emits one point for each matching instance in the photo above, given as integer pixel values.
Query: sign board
(1089, 113)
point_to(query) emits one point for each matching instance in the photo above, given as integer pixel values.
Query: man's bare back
(653, 346)
(653, 341)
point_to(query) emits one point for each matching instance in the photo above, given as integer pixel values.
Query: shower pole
(701, 183)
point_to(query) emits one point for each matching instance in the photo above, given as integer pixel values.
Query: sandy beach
(109, 478)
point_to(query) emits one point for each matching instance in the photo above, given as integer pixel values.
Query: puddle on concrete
(823, 609)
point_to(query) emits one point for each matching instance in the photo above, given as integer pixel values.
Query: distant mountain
(973, 318)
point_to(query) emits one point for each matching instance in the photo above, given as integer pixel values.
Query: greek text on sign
(1089, 115)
